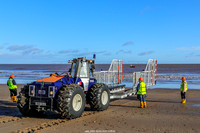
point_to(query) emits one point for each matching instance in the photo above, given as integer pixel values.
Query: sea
(168, 74)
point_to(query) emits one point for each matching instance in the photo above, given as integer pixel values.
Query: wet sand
(164, 113)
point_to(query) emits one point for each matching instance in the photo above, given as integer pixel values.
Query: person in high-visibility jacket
(13, 88)
(183, 89)
(141, 92)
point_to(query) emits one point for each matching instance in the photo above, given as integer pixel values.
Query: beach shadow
(52, 114)
(56, 115)
(131, 98)
(127, 98)
(87, 109)
(8, 108)
(8, 103)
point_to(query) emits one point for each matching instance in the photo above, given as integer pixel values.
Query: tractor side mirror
(69, 70)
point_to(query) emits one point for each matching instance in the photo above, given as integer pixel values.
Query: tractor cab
(83, 68)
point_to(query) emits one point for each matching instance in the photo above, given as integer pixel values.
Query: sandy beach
(164, 114)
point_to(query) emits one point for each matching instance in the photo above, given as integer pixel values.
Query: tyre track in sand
(53, 123)
(8, 119)
(10, 123)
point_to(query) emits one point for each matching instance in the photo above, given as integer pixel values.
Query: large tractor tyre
(71, 101)
(98, 97)
(23, 103)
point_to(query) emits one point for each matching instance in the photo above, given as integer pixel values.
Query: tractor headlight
(51, 91)
(32, 90)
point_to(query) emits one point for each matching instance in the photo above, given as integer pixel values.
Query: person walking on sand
(183, 89)
(12, 87)
(141, 92)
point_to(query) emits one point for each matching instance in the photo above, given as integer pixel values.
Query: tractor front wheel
(71, 101)
(23, 103)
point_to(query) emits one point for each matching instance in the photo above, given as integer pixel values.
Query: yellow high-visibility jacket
(142, 89)
(10, 84)
(182, 86)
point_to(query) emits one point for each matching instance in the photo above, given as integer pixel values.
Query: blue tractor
(67, 94)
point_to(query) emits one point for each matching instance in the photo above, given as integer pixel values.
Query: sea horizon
(168, 74)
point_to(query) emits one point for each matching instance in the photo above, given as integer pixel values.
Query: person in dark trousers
(12, 87)
(141, 92)
(183, 89)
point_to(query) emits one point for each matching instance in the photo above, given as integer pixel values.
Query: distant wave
(170, 77)
(16, 71)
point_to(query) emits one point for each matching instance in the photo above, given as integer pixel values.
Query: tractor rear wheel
(71, 101)
(99, 97)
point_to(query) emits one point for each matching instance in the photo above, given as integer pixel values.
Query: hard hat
(183, 78)
(140, 79)
(12, 75)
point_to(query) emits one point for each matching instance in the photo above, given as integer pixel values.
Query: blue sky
(54, 31)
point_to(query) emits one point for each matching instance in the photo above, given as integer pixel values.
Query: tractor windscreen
(73, 71)
(84, 70)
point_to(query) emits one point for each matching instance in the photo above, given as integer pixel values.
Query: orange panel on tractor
(53, 78)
